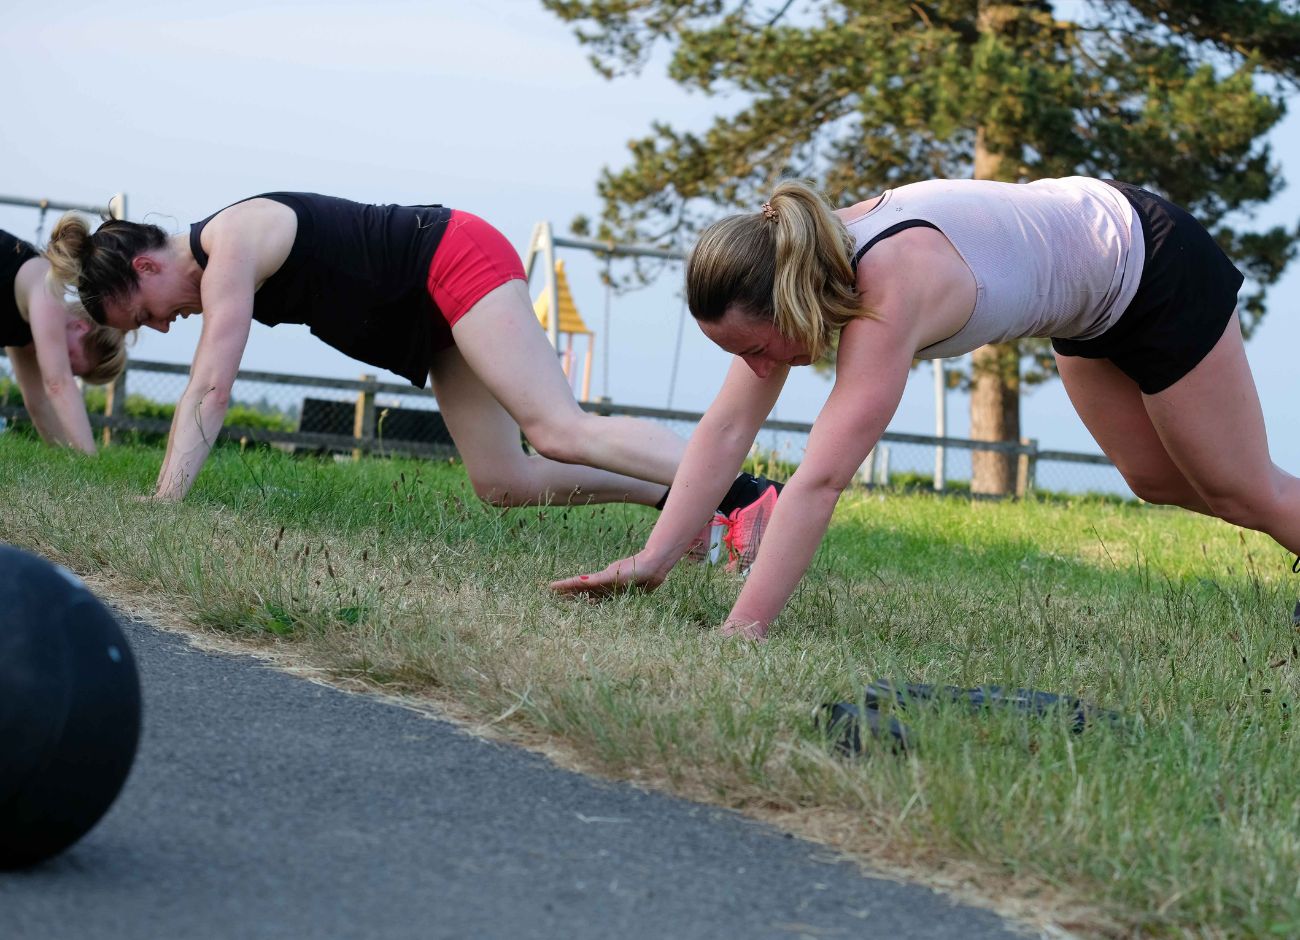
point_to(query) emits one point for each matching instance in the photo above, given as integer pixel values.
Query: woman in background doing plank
(49, 342)
(417, 290)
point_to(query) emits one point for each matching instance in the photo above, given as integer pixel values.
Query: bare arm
(920, 291)
(28, 373)
(246, 244)
(871, 373)
(48, 316)
(713, 457)
(227, 291)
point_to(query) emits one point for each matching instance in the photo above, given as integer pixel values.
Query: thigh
(1211, 423)
(1111, 406)
(501, 340)
(485, 434)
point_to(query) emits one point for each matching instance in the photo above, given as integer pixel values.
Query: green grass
(1184, 822)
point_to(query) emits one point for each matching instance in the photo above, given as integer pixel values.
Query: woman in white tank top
(1139, 302)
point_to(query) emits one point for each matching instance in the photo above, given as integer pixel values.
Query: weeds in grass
(1186, 821)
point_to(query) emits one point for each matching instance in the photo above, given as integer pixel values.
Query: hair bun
(68, 249)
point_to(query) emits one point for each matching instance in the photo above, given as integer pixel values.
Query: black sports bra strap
(892, 230)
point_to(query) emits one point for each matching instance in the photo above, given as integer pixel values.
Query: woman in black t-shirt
(418, 290)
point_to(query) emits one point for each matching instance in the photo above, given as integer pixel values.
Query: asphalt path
(265, 805)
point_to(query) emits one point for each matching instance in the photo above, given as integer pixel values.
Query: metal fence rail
(364, 415)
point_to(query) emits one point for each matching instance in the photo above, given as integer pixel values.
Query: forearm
(27, 372)
(69, 410)
(171, 439)
(43, 418)
(197, 422)
(798, 525)
(713, 457)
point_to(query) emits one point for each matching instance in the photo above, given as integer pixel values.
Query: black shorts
(1184, 300)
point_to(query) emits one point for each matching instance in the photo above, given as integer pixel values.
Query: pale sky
(488, 106)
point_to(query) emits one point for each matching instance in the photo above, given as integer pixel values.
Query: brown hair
(788, 263)
(98, 266)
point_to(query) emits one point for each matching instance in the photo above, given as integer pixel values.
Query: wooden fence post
(1026, 467)
(114, 404)
(363, 425)
(867, 472)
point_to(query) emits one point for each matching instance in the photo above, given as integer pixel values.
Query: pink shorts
(472, 260)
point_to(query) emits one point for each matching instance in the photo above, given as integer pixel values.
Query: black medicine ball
(69, 709)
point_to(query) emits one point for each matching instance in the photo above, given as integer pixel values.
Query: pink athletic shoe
(706, 549)
(745, 529)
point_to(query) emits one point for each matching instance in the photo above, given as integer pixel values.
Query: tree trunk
(995, 370)
(994, 416)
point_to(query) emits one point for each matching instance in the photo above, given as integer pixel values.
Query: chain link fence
(356, 416)
(918, 460)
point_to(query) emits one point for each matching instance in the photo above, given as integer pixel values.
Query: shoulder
(914, 259)
(29, 279)
(253, 214)
(849, 213)
(917, 285)
(260, 229)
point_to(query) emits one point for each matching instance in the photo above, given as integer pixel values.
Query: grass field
(1185, 821)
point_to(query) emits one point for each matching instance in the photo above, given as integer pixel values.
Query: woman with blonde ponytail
(1139, 301)
(48, 342)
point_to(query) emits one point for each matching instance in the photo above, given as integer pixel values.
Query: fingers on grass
(579, 588)
(755, 632)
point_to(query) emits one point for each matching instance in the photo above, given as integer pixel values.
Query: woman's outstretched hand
(745, 629)
(631, 573)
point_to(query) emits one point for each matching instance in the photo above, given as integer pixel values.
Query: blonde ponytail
(788, 263)
(814, 291)
(68, 248)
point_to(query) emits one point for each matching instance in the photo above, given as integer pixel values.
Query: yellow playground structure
(570, 325)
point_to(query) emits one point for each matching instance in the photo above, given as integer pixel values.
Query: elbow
(218, 396)
(820, 485)
(57, 386)
(732, 436)
(212, 394)
(728, 430)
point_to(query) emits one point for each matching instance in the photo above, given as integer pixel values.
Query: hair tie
(768, 212)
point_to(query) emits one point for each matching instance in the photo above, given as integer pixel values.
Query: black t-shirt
(357, 276)
(14, 253)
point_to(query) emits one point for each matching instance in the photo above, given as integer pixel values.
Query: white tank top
(1057, 257)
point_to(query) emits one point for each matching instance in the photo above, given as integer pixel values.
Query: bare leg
(501, 473)
(1111, 406)
(1212, 426)
(502, 342)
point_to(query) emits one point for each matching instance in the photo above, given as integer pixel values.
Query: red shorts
(472, 260)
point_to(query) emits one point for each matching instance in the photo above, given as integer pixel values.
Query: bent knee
(503, 490)
(563, 439)
(1249, 508)
(1160, 490)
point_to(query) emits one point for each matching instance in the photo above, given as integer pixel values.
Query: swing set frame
(115, 209)
(543, 244)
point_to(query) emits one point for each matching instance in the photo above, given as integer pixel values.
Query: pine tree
(860, 95)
